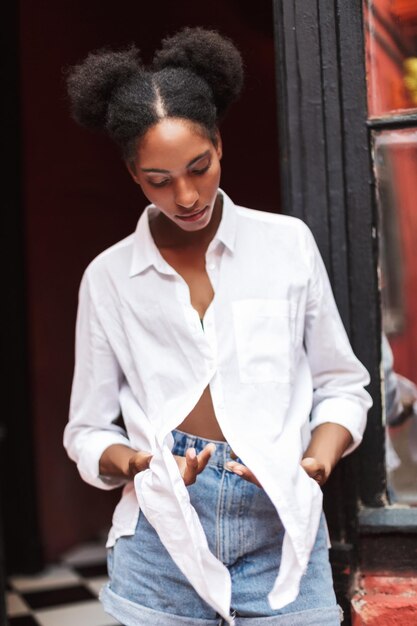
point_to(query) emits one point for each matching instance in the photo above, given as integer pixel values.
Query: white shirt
(276, 357)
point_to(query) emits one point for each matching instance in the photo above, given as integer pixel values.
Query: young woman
(213, 332)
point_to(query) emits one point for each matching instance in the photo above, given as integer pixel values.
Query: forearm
(328, 442)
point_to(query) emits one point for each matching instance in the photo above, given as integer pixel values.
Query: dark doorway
(76, 200)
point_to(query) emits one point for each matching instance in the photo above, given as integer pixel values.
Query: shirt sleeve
(338, 376)
(94, 406)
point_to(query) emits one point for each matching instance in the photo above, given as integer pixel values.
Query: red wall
(404, 168)
(395, 20)
(79, 200)
(387, 93)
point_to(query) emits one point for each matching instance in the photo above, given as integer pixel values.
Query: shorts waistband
(182, 441)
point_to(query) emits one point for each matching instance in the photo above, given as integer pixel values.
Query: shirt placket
(202, 344)
(214, 259)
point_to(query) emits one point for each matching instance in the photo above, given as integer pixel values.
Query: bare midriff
(202, 420)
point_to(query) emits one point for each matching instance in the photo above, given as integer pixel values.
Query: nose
(186, 194)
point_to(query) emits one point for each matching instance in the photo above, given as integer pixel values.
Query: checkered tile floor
(62, 595)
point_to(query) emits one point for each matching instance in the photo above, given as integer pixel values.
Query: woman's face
(178, 168)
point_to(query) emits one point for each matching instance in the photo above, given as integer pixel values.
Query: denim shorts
(243, 531)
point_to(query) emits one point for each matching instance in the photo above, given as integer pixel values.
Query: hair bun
(208, 54)
(92, 83)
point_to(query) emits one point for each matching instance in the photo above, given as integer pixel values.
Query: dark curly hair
(195, 76)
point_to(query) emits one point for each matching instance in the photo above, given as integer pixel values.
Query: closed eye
(160, 183)
(203, 170)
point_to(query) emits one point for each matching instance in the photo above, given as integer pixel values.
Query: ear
(219, 145)
(131, 168)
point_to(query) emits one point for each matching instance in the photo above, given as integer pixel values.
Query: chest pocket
(263, 340)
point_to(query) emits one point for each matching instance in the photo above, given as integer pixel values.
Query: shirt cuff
(344, 412)
(88, 463)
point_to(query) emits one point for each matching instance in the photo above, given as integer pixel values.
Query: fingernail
(191, 453)
(211, 448)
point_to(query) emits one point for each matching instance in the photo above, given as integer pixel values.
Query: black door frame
(326, 174)
(326, 181)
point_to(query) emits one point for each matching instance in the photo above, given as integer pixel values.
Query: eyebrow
(190, 164)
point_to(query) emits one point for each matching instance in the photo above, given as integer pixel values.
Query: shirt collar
(226, 232)
(145, 252)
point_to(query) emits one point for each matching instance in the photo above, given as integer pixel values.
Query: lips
(193, 217)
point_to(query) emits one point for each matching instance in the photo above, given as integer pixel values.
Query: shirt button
(212, 266)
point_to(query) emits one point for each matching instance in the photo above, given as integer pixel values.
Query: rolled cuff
(88, 463)
(344, 412)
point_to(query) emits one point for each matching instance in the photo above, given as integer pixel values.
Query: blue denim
(243, 531)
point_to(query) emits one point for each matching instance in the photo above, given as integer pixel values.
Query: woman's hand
(122, 461)
(316, 470)
(243, 471)
(328, 442)
(189, 465)
(193, 464)
(138, 462)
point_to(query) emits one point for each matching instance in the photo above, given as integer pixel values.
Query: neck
(166, 234)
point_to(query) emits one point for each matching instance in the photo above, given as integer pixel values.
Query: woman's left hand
(243, 471)
(316, 470)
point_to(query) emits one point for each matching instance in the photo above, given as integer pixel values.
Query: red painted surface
(404, 171)
(384, 600)
(387, 93)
